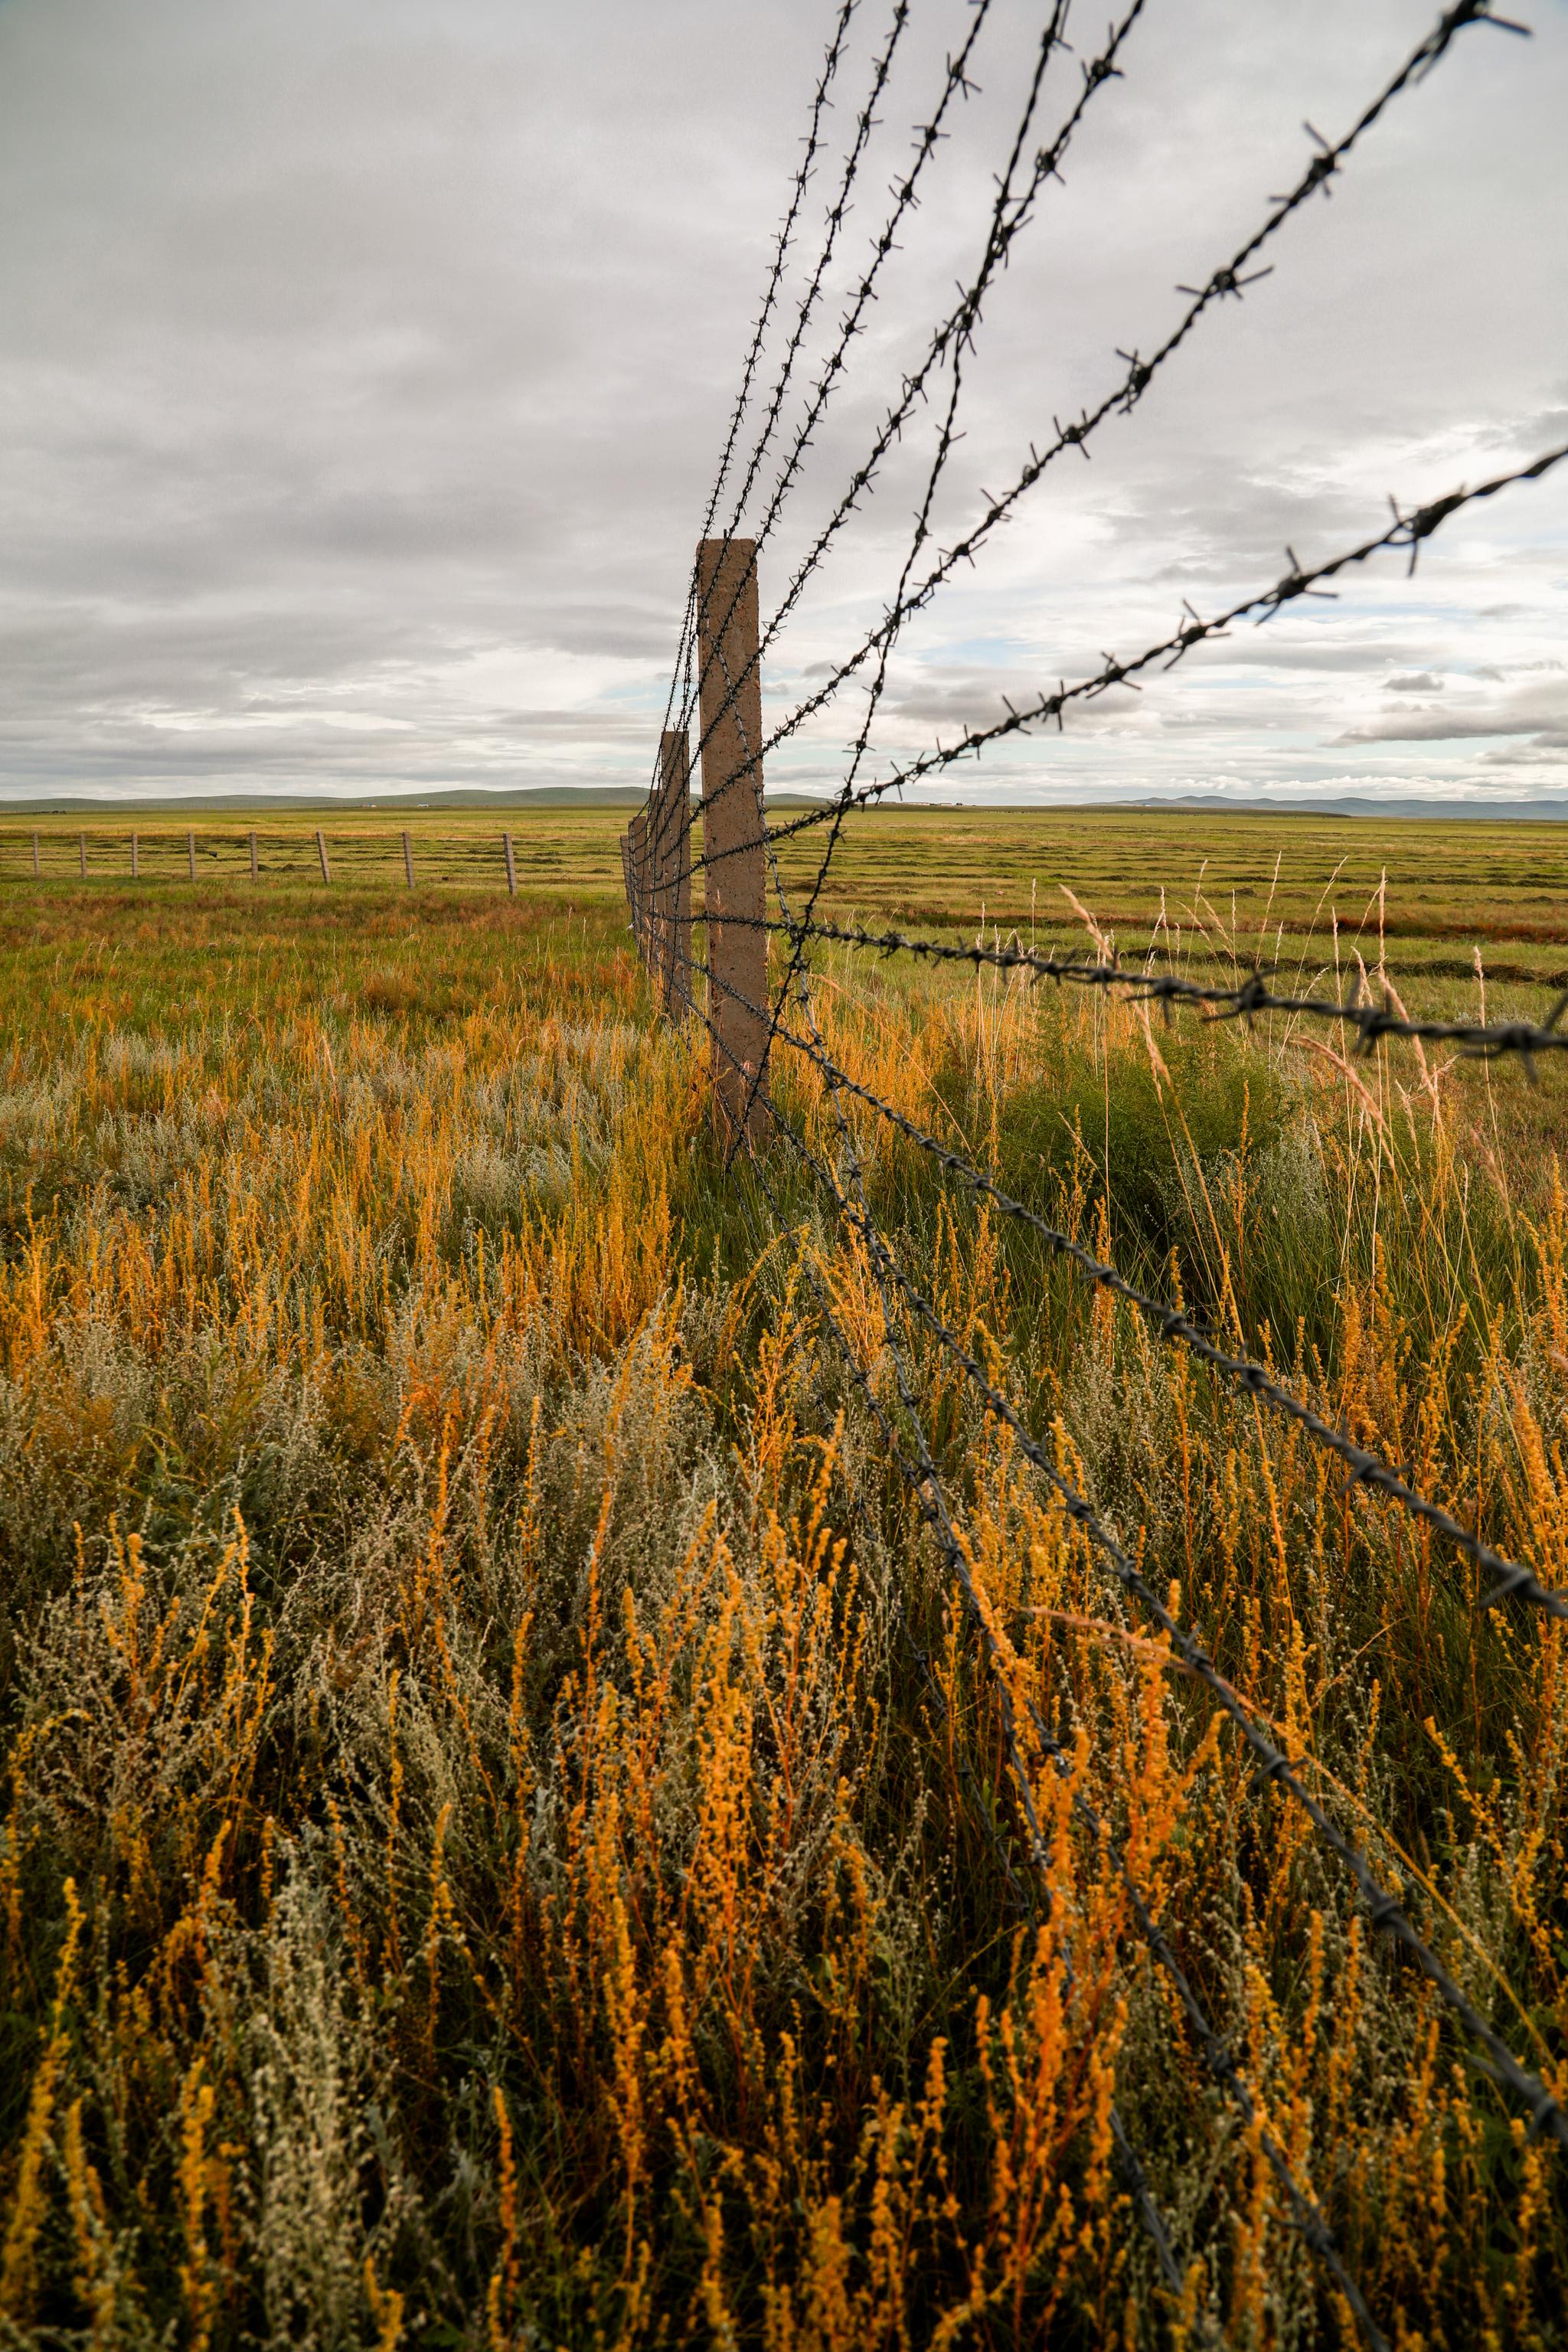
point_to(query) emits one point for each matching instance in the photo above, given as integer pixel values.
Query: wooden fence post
(407, 861)
(191, 854)
(511, 866)
(672, 868)
(730, 701)
(81, 854)
(321, 854)
(34, 858)
(135, 859)
(255, 865)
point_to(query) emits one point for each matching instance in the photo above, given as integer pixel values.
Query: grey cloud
(1438, 727)
(1513, 669)
(1271, 651)
(1540, 429)
(1420, 681)
(1537, 712)
(947, 697)
(369, 362)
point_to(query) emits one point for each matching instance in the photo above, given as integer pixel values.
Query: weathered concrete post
(135, 860)
(511, 866)
(191, 854)
(407, 861)
(730, 694)
(321, 854)
(672, 868)
(637, 837)
(255, 867)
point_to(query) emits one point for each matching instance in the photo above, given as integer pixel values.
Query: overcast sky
(365, 366)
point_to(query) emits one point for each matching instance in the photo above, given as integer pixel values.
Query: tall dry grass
(508, 1837)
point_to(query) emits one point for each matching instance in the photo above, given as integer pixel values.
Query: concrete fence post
(730, 696)
(191, 854)
(511, 866)
(255, 862)
(34, 858)
(652, 871)
(321, 854)
(135, 859)
(672, 869)
(407, 861)
(637, 836)
(81, 854)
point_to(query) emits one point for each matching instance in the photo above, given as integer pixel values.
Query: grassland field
(1270, 882)
(507, 1835)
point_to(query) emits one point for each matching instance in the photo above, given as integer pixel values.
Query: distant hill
(1353, 805)
(526, 796)
(466, 797)
(632, 796)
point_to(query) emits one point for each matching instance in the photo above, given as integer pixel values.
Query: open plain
(504, 1838)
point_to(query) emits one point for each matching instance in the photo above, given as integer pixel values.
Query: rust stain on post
(730, 701)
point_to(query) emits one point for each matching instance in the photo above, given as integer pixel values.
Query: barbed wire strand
(820, 103)
(838, 212)
(1512, 1580)
(1307, 2216)
(949, 334)
(656, 903)
(1406, 534)
(928, 138)
(924, 1483)
(1386, 1912)
(914, 1479)
(956, 82)
(998, 235)
(1245, 999)
(1127, 2160)
(1229, 281)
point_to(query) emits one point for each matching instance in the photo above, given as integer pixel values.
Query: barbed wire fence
(755, 1010)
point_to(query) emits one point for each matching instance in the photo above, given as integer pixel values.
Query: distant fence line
(192, 856)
